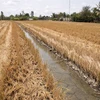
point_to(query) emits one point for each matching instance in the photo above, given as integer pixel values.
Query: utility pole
(69, 9)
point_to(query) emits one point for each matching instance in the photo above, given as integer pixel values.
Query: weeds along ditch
(24, 76)
(84, 53)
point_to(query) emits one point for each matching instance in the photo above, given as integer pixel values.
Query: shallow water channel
(76, 88)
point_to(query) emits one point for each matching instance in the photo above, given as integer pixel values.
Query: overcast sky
(43, 7)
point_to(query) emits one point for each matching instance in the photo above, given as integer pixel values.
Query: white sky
(43, 7)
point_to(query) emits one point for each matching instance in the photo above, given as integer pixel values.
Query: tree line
(21, 16)
(87, 14)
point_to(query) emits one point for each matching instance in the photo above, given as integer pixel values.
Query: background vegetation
(87, 14)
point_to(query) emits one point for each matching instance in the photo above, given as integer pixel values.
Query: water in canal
(76, 88)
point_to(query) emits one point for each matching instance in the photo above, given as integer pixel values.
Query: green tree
(32, 14)
(54, 16)
(27, 15)
(96, 13)
(20, 15)
(75, 17)
(86, 15)
(2, 15)
(11, 17)
(64, 15)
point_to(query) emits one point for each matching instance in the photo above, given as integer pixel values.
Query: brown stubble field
(23, 76)
(87, 31)
(80, 42)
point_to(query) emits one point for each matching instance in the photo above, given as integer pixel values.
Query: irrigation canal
(76, 88)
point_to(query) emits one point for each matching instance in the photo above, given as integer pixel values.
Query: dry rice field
(80, 42)
(23, 76)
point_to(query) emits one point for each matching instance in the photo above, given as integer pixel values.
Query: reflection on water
(67, 78)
